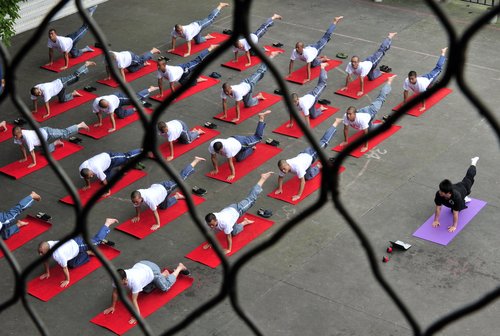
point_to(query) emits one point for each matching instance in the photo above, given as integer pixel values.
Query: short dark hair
(225, 86)
(217, 146)
(32, 91)
(177, 26)
(161, 125)
(445, 186)
(135, 194)
(16, 129)
(101, 101)
(122, 273)
(351, 108)
(412, 73)
(281, 163)
(85, 172)
(294, 96)
(210, 217)
(52, 30)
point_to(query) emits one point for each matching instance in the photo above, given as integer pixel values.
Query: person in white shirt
(9, 224)
(158, 195)
(177, 130)
(144, 276)
(362, 119)
(301, 165)
(67, 44)
(58, 88)
(307, 103)
(225, 220)
(193, 30)
(130, 61)
(419, 84)
(237, 147)
(75, 252)
(243, 45)
(367, 68)
(104, 166)
(117, 103)
(311, 53)
(28, 140)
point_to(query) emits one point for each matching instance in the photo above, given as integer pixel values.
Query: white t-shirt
(113, 104)
(171, 73)
(138, 277)
(30, 140)
(226, 219)
(308, 54)
(123, 59)
(305, 103)
(299, 164)
(49, 90)
(154, 195)
(230, 147)
(97, 164)
(189, 31)
(239, 91)
(420, 86)
(174, 130)
(62, 43)
(362, 70)
(65, 252)
(245, 45)
(361, 121)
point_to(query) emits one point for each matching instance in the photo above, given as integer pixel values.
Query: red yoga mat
(18, 169)
(251, 231)
(262, 154)
(26, 233)
(299, 75)
(142, 228)
(430, 102)
(180, 148)
(242, 60)
(58, 63)
(201, 86)
(196, 48)
(354, 86)
(48, 288)
(7, 134)
(371, 143)
(57, 108)
(291, 187)
(130, 177)
(296, 132)
(248, 112)
(148, 303)
(131, 76)
(102, 131)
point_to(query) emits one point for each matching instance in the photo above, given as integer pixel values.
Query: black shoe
(89, 88)
(210, 125)
(146, 104)
(272, 142)
(227, 32)
(199, 191)
(43, 216)
(215, 75)
(265, 213)
(341, 55)
(385, 117)
(278, 45)
(185, 272)
(20, 121)
(108, 242)
(324, 101)
(74, 139)
(278, 92)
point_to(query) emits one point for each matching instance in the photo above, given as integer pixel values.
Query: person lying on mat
(9, 224)
(193, 30)
(158, 195)
(58, 88)
(177, 130)
(225, 220)
(130, 61)
(116, 104)
(302, 164)
(67, 44)
(362, 119)
(180, 73)
(144, 276)
(311, 53)
(419, 84)
(104, 166)
(237, 147)
(455, 196)
(307, 103)
(243, 45)
(368, 67)
(75, 252)
(28, 140)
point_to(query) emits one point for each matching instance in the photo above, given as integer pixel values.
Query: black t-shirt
(456, 201)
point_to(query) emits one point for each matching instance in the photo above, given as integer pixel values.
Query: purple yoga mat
(440, 235)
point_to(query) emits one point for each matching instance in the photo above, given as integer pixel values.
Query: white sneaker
(467, 199)
(474, 160)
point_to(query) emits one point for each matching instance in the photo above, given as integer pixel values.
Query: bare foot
(274, 54)
(201, 79)
(323, 65)
(90, 63)
(83, 125)
(155, 51)
(179, 196)
(391, 35)
(390, 79)
(322, 108)
(443, 51)
(264, 177)
(21, 223)
(3, 125)
(319, 165)
(196, 160)
(262, 115)
(222, 5)
(246, 221)
(199, 131)
(58, 143)
(209, 37)
(276, 17)
(337, 122)
(212, 47)
(35, 196)
(153, 88)
(110, 221)
(260, 96)
(337, 19)
(155, 227)
(76, 94)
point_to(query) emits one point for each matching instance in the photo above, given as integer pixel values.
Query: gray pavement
(316, 280)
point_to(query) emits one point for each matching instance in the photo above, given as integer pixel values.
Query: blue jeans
(376, 57)
(76, 36)
(170, 186)
(248, 100)
(189, 66)
(316, 92)
(204, 24)
(54, 134)
(138, 61)
(247, 142)
(311, 172)
(160, 281)
(187, 136)
(8, 219)
(121, 111)
(245, 204)
(70, 80)
(119, 159)
(322, 43)
(82, 256)
(264, 27)
(436, 71)
(376, 105)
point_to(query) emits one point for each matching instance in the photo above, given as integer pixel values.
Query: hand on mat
(214, 172)
(109, 310)
(279, 191)
(226, 251)
(64, 283)
(363, 149)
(136, 219)
(435, 224)
(451, 228)
(86, 188)
(295, 197)
(306, 80)
(248, 64)
(344, 88)
(106, 194)
(49, 64)
(44, 276)
(155, 227)
(230, 177)
(343, 143)
(290, 125)
(132, 320)
(359, 94)
(31, 165)
(97, 125)
(207, 246)
(421, 109)
(111, 130)
(63, 68)
(23, 160)
(170, 158)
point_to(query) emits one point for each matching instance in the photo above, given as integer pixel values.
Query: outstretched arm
(249, 59)
(114, 299)
(188, 49)
(136, 305)
(229, 239)
(65, 282)
(455, 222)
(66, 60)
(51, 56)
(405, 96)
(437, 213)
(290, 67)
(301, 189)
(232, 169)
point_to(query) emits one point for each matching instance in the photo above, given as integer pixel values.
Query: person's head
(412, 77)
(178, 29)
(43, 248)
(162, 63)
(283, 166)
(17, 132)
(103, 103)
(217, 147)
(445, 189)
(226, 88)
(211, 220)
(123, 276)
(238, 44)
(299, 47)
(36, 92)
(295, 98)
(52, 35)
(351, 113)
(162, 127)
(136, 198)
(86, 173)
(355, 62)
